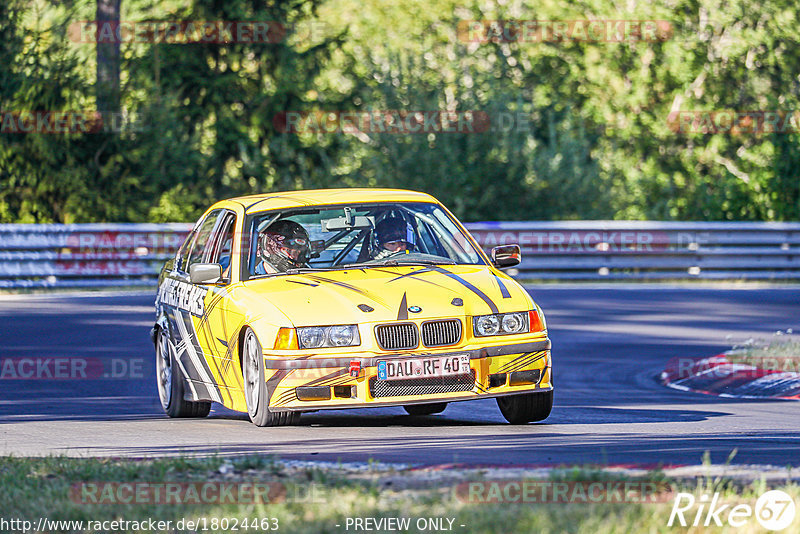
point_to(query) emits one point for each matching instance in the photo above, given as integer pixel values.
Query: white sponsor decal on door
(182, 295)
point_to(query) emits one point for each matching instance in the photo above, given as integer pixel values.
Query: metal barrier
(97, 255)
(86, 255)
(649, 250)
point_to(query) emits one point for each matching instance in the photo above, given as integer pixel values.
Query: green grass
(316, 500)
(779, 353)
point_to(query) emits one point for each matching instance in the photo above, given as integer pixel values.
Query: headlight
(500, 324)
(342, 336)
(316, 337)
(486, 325)
(513, 322)
(311, 337)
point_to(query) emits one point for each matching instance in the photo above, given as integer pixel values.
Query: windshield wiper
(394, 262)
(443, 261)
(297, 270)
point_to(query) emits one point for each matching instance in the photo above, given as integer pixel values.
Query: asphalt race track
(608, 346)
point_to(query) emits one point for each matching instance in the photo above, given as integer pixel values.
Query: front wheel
(255, 386)
(521, 409)
(171, 384)
(425, 409)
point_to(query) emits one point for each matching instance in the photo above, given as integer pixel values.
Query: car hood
(390, 294)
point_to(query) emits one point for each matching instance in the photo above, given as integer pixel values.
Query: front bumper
(496, 371)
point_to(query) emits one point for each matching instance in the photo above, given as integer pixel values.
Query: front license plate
(423, 367)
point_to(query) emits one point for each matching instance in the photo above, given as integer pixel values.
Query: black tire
(255, 386)
(521, 409)
(425, 409)
(170, 383)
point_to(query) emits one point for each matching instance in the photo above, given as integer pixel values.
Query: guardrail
(86, 255)
(97, 255)
(649, 250)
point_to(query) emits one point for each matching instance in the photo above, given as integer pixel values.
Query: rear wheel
(520, 409)
(170, 382)
(255, 386)
(425, 409)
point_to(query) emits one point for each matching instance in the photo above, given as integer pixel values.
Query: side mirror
(506, 256)
(205, 273)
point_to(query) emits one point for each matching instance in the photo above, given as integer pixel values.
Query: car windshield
(359, 235)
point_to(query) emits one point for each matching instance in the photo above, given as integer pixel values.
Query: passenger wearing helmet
(393, 235)
(283, 245)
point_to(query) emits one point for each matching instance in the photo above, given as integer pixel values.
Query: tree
(108, 56)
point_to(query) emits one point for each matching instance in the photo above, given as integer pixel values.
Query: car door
(218, 330)
(185, 306)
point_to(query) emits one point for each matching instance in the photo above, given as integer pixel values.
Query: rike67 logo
(774, 510)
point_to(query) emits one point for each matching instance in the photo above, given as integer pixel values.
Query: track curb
(721, 377)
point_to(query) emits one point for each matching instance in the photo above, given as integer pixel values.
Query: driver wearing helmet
(393, 235)
(283, 245)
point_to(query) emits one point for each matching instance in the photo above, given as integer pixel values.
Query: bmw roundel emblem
(414, 309)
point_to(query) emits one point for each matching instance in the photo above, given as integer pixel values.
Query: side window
(223, 244)
(201, 239)
(183, 253)
(428, 243)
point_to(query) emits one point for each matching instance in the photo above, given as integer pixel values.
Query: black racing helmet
(394, 229)
(284, 244)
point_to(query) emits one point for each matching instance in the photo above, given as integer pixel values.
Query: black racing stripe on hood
(345, 285)
(303, 283)
(503, 289)
(478, 292)
(402, 311)
(413, 274)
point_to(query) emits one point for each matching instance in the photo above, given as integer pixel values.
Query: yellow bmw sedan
(285, 303)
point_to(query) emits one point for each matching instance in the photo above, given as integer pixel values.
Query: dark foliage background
(589, 135)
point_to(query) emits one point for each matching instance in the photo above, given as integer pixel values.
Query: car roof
(316, 197)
